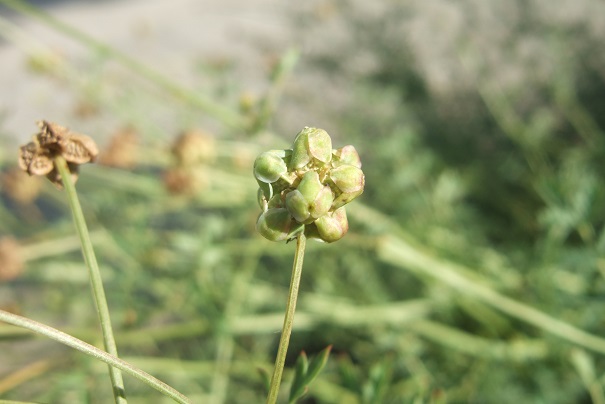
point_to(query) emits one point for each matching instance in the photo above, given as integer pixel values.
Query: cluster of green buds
(304, 189)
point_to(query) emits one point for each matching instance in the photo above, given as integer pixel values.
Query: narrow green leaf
(317, 364)
(302, 364)
(349, 374)
(307, 372)
(297, 389)
(265, 379)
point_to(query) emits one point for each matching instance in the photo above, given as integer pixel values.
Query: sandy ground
(177, 37)
(168, 36)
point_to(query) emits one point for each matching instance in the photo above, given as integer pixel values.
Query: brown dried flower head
(184, 181)
(14, 183)
(122, 150)
(194, 147)
(11, 259)
(38, 157)
(35, 160)
(74, 147)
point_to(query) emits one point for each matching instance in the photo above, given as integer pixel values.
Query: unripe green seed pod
(269, 166)
(349, 181)
(298, 206)
(322, 203)
(261, 199)
(348, 178)
(344, 198)
(275, 224)
(346, 155)
(312, 232)
(266, 189)
(310, 185)
(333, 226)
(320, 145)
(311, 143)
(300, 156)
(310, 200)
(275, 202)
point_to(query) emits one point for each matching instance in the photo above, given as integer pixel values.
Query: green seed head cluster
(305, 188)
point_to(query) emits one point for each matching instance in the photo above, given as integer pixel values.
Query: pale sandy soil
(449, 43)
(169, 36)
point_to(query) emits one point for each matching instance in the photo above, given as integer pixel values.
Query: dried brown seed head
(56, 179)
(50, 135)
(79, 149)
(184, 181)
(11, 259)
(26, 155)
(19, 187)
(34, 160)
(41, 164)
(194, 146)
(38, 157)
(122, 151)
(74, 147)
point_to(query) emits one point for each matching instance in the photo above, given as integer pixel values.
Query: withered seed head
(34, 160)
(74, 147)
(194, 147)
(79, 149)
(55, 177)
(122, 150)
(184, 181)
(26, 155)
(37, 158)
(18, 187)
(50, 134)
(41, 164)
(11, 259)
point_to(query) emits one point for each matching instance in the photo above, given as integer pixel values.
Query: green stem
(96, 353)
(284, 341)
(96, 281)
(400, 253)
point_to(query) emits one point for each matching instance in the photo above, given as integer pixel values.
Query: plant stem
(96, 281)
(284, 341)
(401, 253)
(90, 350)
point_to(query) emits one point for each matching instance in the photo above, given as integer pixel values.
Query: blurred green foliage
(482, 192)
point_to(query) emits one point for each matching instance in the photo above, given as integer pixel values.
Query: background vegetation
(474, 270)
